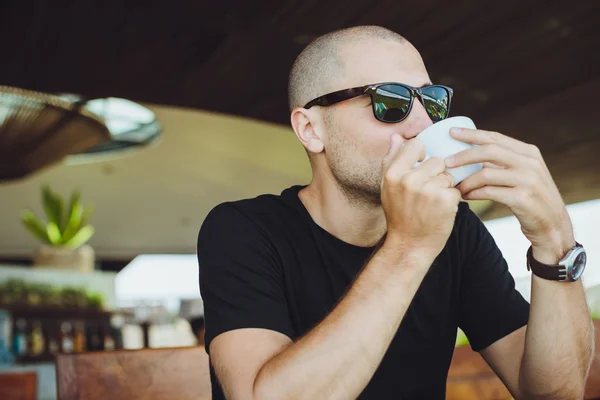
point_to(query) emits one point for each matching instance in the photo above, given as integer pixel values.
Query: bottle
(6, 357)
(79, 338)
(20, 338)
(116, 330)
(66, 344)
(53, 346)
(37, 340)
(93, 338)
(109, 343)
(54, 339)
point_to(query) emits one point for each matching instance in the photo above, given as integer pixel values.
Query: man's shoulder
(262, 211)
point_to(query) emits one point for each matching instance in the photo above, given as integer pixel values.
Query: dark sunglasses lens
(391, 103)
(436, 101)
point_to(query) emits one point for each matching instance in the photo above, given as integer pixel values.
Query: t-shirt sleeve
(240, 276)
(490, 305)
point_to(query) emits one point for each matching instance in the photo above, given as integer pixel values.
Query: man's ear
(306, 126)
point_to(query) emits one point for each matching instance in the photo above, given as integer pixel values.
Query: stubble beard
(360, 184)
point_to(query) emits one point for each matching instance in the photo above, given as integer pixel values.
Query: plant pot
(80, 259)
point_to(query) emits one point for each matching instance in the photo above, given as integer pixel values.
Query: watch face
(578, 266)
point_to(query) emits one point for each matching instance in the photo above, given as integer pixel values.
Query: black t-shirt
(264, 263)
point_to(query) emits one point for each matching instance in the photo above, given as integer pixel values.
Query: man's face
(354, 141)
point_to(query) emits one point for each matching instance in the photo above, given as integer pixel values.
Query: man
(354, 285)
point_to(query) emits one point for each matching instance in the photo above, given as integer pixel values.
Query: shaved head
(318, 66)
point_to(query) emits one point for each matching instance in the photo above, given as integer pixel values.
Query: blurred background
(123, 123)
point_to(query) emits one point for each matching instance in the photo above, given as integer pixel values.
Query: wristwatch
(569, 268)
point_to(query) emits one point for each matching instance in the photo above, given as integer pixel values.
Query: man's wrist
(556, 243)
(553, 250)
(408, 252)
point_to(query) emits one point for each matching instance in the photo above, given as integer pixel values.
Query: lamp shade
(39, 129)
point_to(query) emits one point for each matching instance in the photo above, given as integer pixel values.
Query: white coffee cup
(439, 143)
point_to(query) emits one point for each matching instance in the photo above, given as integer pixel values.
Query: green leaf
(75, 199)
(82, 236)
(34, 226)
(87, 214)
(53, 233)
(75, 218)
(53, 206)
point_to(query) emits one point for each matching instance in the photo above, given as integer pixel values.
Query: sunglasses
(392, 101)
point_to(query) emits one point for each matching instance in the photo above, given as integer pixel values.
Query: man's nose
(417, 120)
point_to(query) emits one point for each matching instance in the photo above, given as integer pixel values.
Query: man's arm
(551, 357)
(338, 357)
(558, 342)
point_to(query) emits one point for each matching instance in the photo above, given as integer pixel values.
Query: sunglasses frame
(347, 94)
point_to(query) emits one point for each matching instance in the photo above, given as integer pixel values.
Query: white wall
(513, 244)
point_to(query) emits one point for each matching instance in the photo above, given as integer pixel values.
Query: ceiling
(526, 68)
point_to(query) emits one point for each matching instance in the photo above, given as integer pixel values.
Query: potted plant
(64, 234)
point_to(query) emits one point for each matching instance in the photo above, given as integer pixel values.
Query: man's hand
(420, 204)
(515, 174)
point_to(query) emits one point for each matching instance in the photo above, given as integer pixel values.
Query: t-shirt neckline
(292, 194)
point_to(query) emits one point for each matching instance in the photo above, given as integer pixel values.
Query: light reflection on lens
(436, 101)
(392, 102)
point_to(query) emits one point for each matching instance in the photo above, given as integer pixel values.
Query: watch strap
(551, 272)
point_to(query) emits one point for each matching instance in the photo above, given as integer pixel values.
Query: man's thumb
(395, 145)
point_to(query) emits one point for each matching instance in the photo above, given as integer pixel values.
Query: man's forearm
(338, 357)
(559, 340)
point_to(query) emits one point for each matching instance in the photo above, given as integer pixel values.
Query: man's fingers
(492, 177)
(395, 144)
(491, 165)
(408, 154)
(430, 168)
(492, 153)
(443, 180)
(482, 137)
